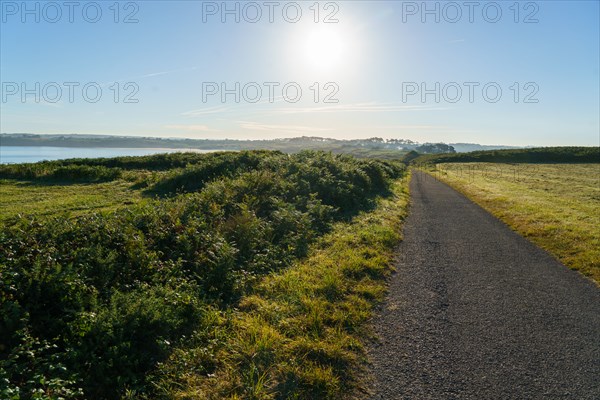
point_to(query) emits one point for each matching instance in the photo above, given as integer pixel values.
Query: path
(475, 311)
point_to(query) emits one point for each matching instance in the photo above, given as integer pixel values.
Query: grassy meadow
(557, 206)
(563, 154)
(43, 199)
(224, 275)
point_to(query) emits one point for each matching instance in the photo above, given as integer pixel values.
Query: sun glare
(324, 48)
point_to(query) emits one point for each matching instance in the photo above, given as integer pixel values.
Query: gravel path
(475, 311)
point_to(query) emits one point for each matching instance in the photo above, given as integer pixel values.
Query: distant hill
(533, 155)
(75, 140)
(468, 147)
(370, 147)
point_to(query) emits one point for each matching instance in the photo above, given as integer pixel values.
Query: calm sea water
(29, 154)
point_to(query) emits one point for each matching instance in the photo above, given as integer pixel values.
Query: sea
(31, 154)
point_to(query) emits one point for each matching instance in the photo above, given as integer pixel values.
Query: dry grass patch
(557, 206)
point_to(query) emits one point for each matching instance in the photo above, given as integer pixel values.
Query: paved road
(477, 312)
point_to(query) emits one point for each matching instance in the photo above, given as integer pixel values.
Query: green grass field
(557, 206)
(46, 199)
(564, 154)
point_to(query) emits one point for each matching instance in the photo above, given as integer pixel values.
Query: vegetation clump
(53, 171)
(533, 155)
(92, 306)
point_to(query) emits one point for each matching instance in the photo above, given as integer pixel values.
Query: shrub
(104, 296)
(52, 171)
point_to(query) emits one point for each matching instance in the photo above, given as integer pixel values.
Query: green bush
(52, 171)
(534, 155)
(210, 167)
(105, 296)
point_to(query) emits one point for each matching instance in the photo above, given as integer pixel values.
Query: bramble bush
(91, 304)
(52, 171)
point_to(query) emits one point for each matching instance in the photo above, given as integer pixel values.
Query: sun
(324, 48)
(322, 51)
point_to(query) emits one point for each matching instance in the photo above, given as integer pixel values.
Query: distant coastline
(32, 154)
(286, 145)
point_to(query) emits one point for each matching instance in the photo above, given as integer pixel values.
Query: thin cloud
(149, 75)
(168, 72)
(276, 99)
(358, 107)
(428, 127)
(40, 101)
(192, 128)
(295, 129)
(204, 111)
(50, 104)
(154, 74)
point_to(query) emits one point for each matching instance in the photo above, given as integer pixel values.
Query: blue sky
(517, 73)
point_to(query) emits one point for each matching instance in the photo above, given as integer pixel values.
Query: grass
(556, 206)
(43, 199)
(566, 154)
(300, 334)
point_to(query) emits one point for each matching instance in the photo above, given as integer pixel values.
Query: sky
(513, 73)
